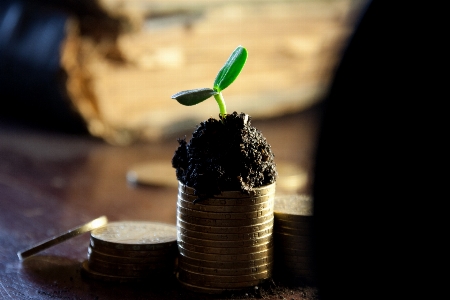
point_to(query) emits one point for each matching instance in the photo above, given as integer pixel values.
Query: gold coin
(294, 238)
(223, 223)
(299, 246)
(225, 208)
(240, 201)
(227, 264)
(228, 286)
(255, 192)
(154, 173)
(130, 266)
(225, 272)
(225, 236)
(96, 255)
(226, 216)
(160, 251)
(294, 205)
(225, 244)
(290, 177)
(103, 268)
(189, 276)
(293, 260)
(301, 231)
(226, 251)
(99, 222)
(294, 252)
(226, 257)
(305, 224)
(201, 289)
(298, 268)
(135, 235)
(294, 208)
(226, 229)
(91, 274)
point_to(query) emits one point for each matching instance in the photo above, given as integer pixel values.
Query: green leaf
(231, 69)
(193, 97)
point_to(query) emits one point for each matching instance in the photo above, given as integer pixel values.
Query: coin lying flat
(153, 173)
(254, 193)
(225, 244)
(226, 257)
(126, 271)
(242, 200)
(99, 222)
(156, 251)
(225, 229)
(226, 251)
(226, 264)
(222, 223)
(220, 280)
(223, 208)
(94, 254)
(226, 236)
(201, 289)
(91, 274)
(225, 272)
(135, 235)
(294, 204)
(226, 215)
(225, 286)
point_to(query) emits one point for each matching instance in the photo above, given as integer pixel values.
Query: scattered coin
(290, 177)
(153, 173)
(99, 222)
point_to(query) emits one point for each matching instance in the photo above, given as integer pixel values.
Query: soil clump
(225, 155)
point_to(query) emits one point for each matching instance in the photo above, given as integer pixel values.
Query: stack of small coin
(131, 251)
(225, 242)
(292, 236)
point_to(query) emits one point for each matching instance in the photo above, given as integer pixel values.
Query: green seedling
(224, 78)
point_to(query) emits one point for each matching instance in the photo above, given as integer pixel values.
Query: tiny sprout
(227, 74)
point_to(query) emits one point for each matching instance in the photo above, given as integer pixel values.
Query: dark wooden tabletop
(52, 182)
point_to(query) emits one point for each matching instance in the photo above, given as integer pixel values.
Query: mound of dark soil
(225, 156)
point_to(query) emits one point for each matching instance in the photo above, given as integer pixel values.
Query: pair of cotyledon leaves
(224, 78)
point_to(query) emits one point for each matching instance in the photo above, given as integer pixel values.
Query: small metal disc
(97, 223)
(135, 236)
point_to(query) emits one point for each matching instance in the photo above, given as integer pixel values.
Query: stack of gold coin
(130, 251)
(225, 242)
(292, 236)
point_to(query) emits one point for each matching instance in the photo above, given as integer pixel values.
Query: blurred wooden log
(121, 83)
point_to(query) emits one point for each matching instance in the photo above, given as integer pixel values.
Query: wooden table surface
(52, 182)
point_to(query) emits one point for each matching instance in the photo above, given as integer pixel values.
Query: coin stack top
(292, 236)
(131, 251)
